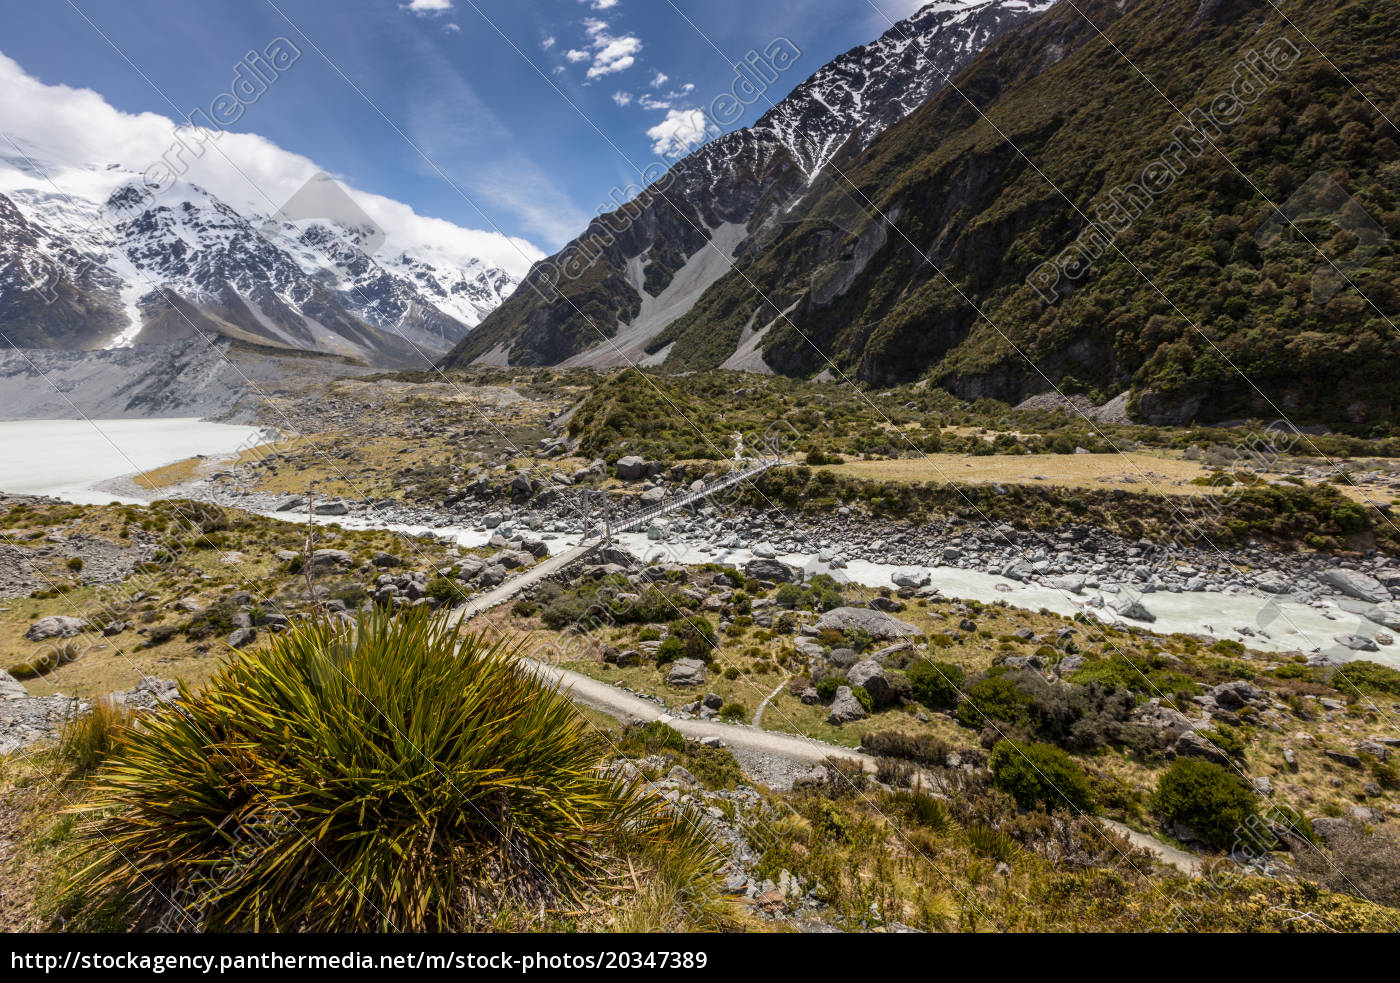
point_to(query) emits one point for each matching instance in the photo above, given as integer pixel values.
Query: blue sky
(525, 114)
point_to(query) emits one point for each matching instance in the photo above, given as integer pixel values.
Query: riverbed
(69, 459)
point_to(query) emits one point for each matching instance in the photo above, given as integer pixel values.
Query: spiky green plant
(390, 775)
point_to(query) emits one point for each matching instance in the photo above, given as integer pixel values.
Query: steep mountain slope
(154, 267)
(633, 272)
(928, 251)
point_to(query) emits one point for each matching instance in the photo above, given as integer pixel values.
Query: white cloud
(622, 98)
(659, 79)
(649, 101)
(610, 54)
(681, 131)
(547, 43)
(75, 137)
(427, 8)
(600, 4)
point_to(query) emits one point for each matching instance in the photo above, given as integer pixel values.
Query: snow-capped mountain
(870, 88)
(606, 297)
(149, 265)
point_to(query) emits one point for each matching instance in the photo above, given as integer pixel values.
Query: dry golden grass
(1136, 471)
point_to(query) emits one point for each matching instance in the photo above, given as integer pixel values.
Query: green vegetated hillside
(1199, 307)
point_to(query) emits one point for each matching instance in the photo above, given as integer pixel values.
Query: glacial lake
(66, 458)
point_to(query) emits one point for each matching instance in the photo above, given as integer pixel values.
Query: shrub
(1367, 676)
(670, 650)
(826, 688)
(651, 738)
(75, 564)
(995, 698)
(714, 767)
(1212, 801)
(697, 636)
(394, 775)
(924, 749)
(1040, 775)
(733, 711)
(88, 740)
(936, 684)
(864, 698)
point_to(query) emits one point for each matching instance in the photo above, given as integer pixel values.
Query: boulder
(55, 626)
(774, 570)
(845, 707)
(871, 675)
(385, 560)
(331, 508)
(686, 672)
(1353, 583)
(842, 657)
(876, 624)
(1235, 694)
(243, 637)
(1357, 643)
(909, 578)
(1132, 607)
(631, 468)
(330, 558)
(1193, 745)
(11, 688)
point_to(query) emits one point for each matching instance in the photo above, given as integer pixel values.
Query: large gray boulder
(1132, 607)
(774, 570)
(876, 624)
(330, 558)
(845, 707)
(686, 672)
(1236, 694)
(55, 626)
(631, 468)
(872, 676)
(1353, 583)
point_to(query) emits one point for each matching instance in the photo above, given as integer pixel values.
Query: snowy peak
(167, 263)
(871, 87)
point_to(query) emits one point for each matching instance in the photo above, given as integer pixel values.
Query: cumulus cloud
(611, 53)
(659, 79)
(622, 98)
(75, 144)
(680, 132)
(575, 56)
(600, 4)
(547, 43)
(427, 8)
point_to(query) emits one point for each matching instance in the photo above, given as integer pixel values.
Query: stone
(871, 675)
(682, 776)
(909, 578)
(876, 624)
(331, 508)
(1343, 758)
(1132, 607)
(1235, 694)
(845, 707)
(330, 558)
(631, 468)
(774, 570)
(842, 657)
(1357, 643)
(243, 637)
(654, 496)
(55, 626)
(686, 672)
(1353, 583)
(385, 560)
(1193, 745)
(886, 604)
(713, 700)
(492, 519)
(492, 575)
(11, 688)
(1331, 829)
